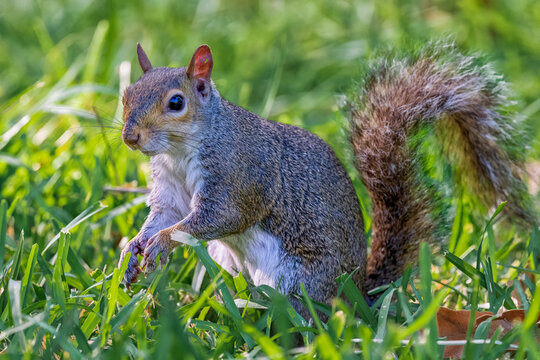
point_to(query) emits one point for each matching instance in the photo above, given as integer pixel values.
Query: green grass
(61, 158)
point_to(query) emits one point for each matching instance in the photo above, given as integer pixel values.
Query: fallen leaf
(453, 325)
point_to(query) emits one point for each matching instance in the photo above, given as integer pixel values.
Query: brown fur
(463, 106)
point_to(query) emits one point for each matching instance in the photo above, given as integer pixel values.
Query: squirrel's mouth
(149, 152)
(138, 147)
(135, 142)
(132, 147)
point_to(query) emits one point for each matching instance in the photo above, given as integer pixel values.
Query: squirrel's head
(162, 106)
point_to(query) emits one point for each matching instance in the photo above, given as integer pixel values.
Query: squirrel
(273, 200)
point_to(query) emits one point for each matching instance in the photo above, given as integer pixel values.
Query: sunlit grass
(72, 193)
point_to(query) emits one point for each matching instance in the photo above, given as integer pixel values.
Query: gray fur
(255, 174)
(274, 200)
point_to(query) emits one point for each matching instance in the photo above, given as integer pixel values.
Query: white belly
(255, 253)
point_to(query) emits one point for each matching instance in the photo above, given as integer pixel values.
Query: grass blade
(3, 230)
(94, 209)
(17, 258)
(383, 315)
(14, 288)
(27, 278)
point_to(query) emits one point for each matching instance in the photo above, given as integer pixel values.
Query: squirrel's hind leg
(225, 257)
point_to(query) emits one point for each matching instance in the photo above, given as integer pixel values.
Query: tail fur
(465, 106)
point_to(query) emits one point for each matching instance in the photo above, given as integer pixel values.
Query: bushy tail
(464, 104)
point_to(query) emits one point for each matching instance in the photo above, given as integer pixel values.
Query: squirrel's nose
(132, 138)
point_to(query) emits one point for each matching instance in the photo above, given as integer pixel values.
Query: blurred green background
(63, 65)
(279, 58)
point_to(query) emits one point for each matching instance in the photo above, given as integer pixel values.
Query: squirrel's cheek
(177, 119)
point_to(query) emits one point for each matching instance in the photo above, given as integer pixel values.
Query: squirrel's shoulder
(290, 135)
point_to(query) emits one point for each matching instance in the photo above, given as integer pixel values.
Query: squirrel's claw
(160, 243)
(133, 270)
(131, 276)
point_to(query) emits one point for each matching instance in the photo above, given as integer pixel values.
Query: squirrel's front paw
(135, 246)
(160, 243)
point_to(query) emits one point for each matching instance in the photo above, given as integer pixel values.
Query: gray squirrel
(274, 202)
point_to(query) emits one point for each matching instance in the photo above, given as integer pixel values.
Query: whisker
(182, 139)
(193, 146)
(108, 146)
(163, 144)
(96, 126)
(108, 114)
(179, 135)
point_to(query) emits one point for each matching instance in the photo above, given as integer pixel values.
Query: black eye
(176, 103)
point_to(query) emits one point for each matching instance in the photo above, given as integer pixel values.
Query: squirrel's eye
(176, 103)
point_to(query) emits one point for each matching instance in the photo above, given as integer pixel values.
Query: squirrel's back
(300, 192)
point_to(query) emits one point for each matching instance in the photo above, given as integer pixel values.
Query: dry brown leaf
(453, 325)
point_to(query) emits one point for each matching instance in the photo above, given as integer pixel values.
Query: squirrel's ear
(143, 59)
(200, 69)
